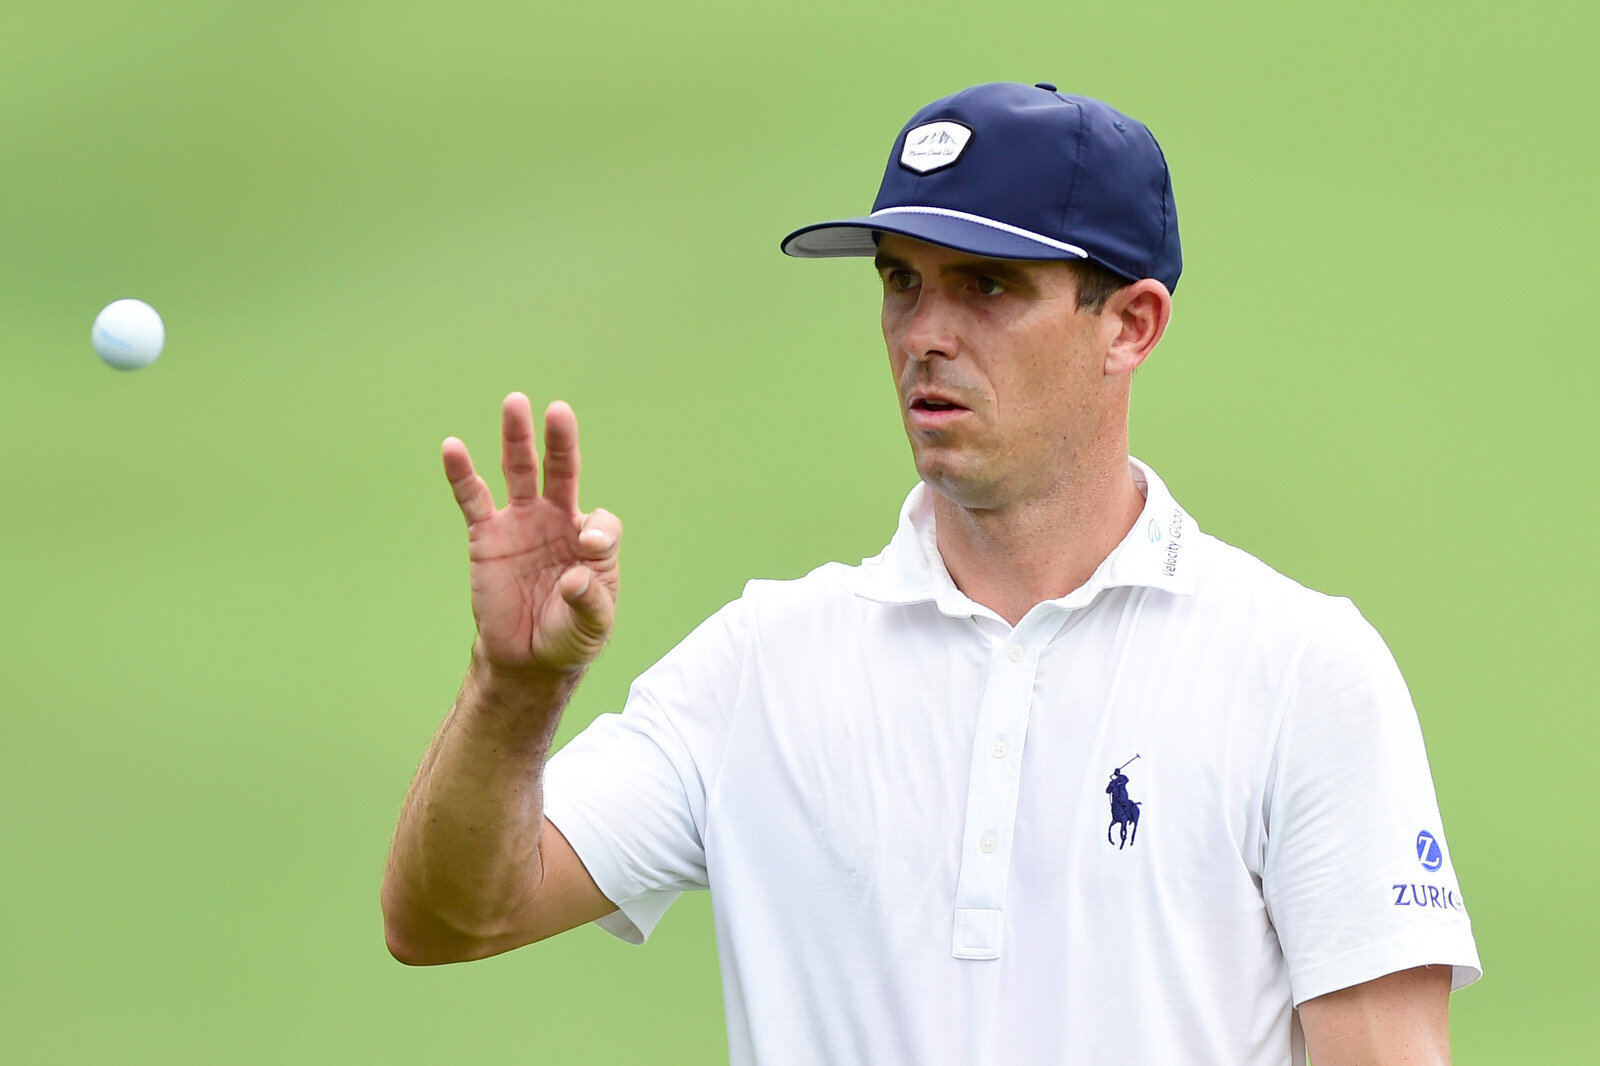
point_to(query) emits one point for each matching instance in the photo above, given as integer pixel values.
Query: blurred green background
(233, 599)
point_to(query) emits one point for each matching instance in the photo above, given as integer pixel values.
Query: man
(888, 775)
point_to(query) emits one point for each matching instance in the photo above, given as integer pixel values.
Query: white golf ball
(128, 334)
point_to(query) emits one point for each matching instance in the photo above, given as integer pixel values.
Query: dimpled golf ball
(128, 334)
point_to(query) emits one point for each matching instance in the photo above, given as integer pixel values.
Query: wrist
(524, 701)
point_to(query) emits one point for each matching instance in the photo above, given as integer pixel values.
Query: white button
(998, 748)
(1015, 654)
(987, 843)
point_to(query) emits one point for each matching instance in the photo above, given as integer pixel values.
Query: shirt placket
(992, 785)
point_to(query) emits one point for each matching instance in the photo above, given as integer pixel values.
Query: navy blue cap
(1021, 172)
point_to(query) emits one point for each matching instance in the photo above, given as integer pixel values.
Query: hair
(1096, 284)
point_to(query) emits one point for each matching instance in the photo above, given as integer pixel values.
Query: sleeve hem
(1391, 956)
(637, 911)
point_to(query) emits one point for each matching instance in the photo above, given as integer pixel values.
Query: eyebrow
(998, 269)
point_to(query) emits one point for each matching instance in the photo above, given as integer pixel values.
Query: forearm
(465, 867)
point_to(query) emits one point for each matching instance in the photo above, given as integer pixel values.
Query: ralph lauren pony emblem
(1124, 811)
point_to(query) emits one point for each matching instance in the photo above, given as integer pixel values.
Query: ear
(1139, 314)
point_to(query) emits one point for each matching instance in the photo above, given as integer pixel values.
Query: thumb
(591, 603)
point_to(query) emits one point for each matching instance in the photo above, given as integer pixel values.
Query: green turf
(232, 586)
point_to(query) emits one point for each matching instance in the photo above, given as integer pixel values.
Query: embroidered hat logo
(936, 145)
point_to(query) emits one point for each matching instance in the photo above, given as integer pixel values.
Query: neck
(1010, 559)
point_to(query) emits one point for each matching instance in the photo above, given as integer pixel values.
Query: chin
(973, 493)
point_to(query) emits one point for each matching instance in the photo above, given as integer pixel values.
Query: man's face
(1002, 380)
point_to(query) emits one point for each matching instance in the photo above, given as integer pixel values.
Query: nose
(927, 329)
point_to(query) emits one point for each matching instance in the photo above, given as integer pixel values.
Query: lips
(934, 401)
(930, 410)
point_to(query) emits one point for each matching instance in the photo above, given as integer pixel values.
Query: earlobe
(1140, 313)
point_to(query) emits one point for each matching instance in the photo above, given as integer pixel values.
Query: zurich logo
(1429, 854)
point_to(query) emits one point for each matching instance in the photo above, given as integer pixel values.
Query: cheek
(897, 358)
(1045, 388)
(892, 320)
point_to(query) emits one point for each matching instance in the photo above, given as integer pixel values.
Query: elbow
(399, 935)
(438, 949)
(426, 944)
(417, 936)
(402, 950)
(414, 953)
(406, 948)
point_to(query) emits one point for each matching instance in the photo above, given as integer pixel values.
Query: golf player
(893, 777)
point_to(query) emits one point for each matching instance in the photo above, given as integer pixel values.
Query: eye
(988, 286)
(900, 280)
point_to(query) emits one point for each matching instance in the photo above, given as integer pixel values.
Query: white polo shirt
(903, 808)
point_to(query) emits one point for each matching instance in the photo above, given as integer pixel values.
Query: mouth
(933, 411)
(932, 398)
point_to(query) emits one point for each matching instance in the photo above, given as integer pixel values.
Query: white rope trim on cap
(1015, 231)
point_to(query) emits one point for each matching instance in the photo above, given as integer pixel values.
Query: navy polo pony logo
(1124, 811)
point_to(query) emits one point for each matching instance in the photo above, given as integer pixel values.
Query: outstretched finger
(472, 495)
(561, 457)
(518, 459)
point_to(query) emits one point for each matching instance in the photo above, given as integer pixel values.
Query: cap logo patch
(934, 145)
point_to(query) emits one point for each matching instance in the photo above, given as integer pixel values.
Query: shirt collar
(1156, 553)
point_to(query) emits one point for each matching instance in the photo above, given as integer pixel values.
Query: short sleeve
(629, 791)
(1356, 872)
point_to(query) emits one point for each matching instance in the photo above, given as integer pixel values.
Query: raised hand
(544, 574)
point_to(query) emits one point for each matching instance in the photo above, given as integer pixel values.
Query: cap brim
(951, 229)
